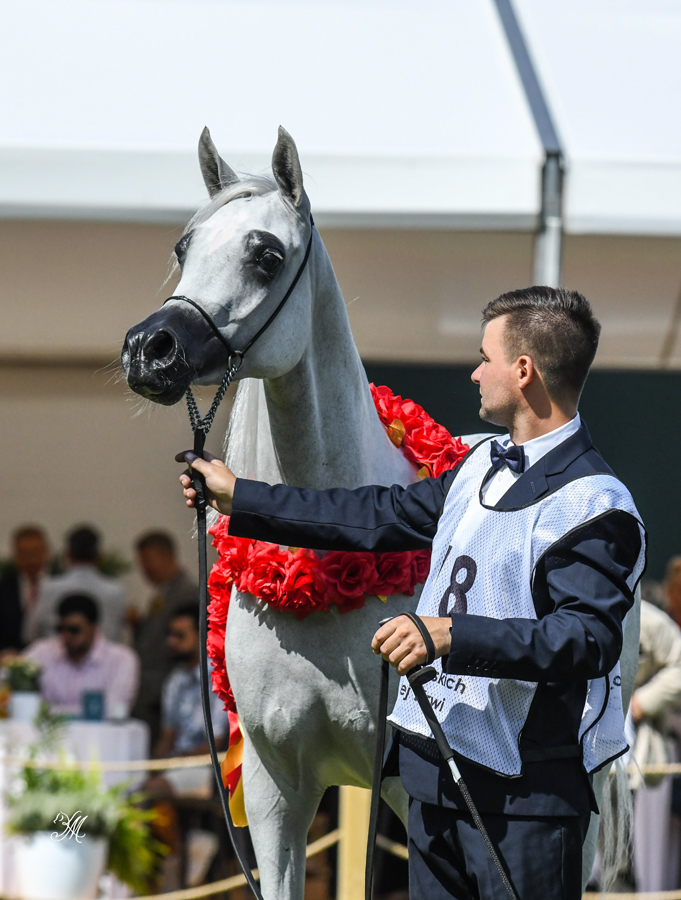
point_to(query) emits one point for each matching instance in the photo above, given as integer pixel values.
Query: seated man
(80, 659)
(182, 726)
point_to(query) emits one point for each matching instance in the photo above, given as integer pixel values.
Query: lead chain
(204, 424)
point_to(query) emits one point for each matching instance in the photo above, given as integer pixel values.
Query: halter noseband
(235, 358)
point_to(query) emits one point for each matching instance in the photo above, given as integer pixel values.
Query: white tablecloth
(86, 741)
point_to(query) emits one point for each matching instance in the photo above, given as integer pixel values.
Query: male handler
(537, 549)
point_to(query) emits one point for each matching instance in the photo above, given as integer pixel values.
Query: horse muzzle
(155, 365)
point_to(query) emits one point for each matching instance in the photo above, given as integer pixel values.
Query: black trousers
(448, 858)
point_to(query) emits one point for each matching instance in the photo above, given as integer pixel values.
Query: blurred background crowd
(103, 654)
(107, 653)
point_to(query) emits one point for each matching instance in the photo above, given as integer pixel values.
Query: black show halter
(201, 427)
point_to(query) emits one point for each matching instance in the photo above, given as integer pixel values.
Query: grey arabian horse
(307, 692)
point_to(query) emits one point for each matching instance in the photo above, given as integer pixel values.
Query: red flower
(221, 686)
(420, 565)
(349, 577)
(304, 588)
(388, 405)
(393, 574)
(265, 572)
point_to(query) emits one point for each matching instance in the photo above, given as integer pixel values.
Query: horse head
(238, 257)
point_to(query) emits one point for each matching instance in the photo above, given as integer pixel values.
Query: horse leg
(279, 818)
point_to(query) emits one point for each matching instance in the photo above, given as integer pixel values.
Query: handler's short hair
(160, 541)
(83, 604)
(556, 328)
(83, 544)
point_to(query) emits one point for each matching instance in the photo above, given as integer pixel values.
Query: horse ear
(216, 173)
(286, 168)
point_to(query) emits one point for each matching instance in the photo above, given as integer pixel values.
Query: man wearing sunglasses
(80, 660)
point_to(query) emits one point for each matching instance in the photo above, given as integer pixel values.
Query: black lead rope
(417, 677)
(201, 427)
(199, 484)
(377, 779)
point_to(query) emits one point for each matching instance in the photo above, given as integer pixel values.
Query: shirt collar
(540, 446)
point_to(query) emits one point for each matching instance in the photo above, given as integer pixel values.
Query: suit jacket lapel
(533, 483)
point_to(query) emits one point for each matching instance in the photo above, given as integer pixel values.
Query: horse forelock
(248, 185)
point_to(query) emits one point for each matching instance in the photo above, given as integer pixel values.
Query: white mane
(249, 448)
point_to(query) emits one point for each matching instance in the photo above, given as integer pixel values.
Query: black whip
(199, 484)
(417, 677)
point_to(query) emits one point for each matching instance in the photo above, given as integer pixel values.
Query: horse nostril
(160, 346)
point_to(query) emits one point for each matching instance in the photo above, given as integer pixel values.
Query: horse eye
(270, 261)
(181, 247)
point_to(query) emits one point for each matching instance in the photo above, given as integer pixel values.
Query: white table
(83, 741)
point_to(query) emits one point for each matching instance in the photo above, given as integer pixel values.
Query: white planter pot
(48, 869)
(24, 705)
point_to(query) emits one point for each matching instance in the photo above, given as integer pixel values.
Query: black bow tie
(512, 456)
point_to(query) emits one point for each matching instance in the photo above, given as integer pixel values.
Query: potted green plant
(23, 678)
(70, 830)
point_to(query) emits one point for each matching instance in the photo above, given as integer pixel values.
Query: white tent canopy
(611, 71)
(404, 115)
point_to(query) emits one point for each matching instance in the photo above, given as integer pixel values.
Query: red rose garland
(302, 582)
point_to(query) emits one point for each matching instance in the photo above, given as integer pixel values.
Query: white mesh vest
(483, 563)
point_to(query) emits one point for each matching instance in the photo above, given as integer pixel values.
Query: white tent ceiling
(403, 115)
(611, 70)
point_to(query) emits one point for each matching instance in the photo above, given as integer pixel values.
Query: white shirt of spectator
(503, 478)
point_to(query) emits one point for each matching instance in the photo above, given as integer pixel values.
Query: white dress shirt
(504, 477)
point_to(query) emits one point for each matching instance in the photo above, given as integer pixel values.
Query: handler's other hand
(400, 642)
(219, 480)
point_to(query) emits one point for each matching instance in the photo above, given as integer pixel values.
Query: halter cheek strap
(235, 357)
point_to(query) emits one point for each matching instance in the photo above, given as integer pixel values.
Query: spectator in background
(173, 588)
(80, 659)
(20, 585)
(657, 692)
(183, 734)
(672, 588)
(182, 727)
(81, 577)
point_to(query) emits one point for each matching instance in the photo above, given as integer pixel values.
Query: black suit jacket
(11, 614)
(580, 596)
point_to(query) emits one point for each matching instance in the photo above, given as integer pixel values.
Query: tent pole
(548, 244)
(548, 247)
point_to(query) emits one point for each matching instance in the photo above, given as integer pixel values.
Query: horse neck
(324, 427)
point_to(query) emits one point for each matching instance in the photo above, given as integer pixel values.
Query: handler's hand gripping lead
(198, 480)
